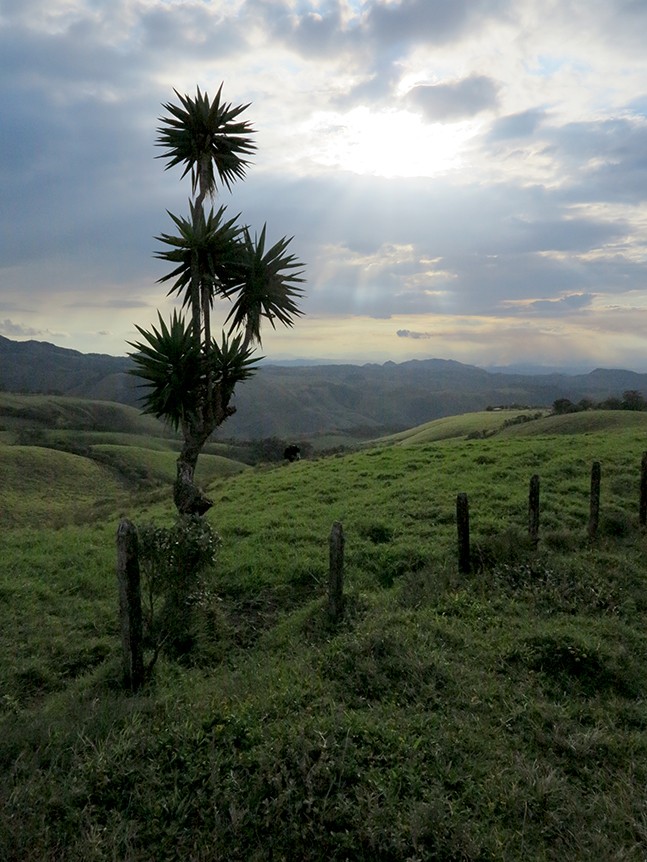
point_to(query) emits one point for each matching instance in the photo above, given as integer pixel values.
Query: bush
(175, 563)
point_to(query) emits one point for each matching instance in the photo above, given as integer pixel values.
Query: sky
(463, 179)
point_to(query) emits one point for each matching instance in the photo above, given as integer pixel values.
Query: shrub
(175, 563)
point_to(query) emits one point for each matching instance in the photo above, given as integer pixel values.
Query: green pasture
(587, 422)
(84, 439)
(398, 504)
(64, 412)
(44, 488)
(500, 715)
(485, 422)
(155, 465)
(73, 438)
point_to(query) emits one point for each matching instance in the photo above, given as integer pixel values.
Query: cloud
(408, 333)
(9, 328)
(456, 99)
(523, 124)
(426, 21)
(17, 330)
(551, 308)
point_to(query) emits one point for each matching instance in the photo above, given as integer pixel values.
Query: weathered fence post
(336, 573)
(130, 605)
(533, 510)
(463, 527)
(594, 516)
(643, 491)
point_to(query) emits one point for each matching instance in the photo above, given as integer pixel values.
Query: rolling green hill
(588, 422)
(495, 715)
(43, 486)
(517, 423)
(484, 422)
(160, 466)
(65, 443)
(38, 412)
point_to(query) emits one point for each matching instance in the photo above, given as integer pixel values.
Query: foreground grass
(496, 716)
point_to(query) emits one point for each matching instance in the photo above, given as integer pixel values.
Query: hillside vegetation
(499, 715)
(103, 450)
(80, 414)
(515, 423)
(482, 423)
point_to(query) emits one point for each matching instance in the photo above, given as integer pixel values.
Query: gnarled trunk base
(188, 498)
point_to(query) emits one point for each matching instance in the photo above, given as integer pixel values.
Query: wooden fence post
(336, 573)
(463, 527)
(643, 491)
(130, 605)
(594, 516)
(533, 510)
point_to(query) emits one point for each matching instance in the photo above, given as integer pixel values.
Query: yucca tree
(189, 376)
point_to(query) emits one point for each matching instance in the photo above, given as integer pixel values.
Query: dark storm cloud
(456, 99)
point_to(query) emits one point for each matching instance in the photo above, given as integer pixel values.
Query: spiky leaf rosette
(170, 363)
(231, 363)
(267, 286)
(207, 138)
(206, 244)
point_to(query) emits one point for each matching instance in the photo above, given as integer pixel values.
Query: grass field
(499, 715)
(58, 412)
(485, 422)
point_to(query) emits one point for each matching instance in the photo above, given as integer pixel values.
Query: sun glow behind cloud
(391, 143)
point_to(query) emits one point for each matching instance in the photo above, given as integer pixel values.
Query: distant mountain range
(295, 402)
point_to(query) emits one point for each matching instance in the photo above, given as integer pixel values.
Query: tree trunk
(205, 299)
(188, 498)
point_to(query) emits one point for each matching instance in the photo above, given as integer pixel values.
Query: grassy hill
(516, 423)
(499, 715)
(98, 444)
(479, 423)
(58, 412)
(44, 486)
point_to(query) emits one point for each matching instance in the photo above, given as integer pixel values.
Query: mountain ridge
(292, 401)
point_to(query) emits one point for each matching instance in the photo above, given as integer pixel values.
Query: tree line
(631, 400)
